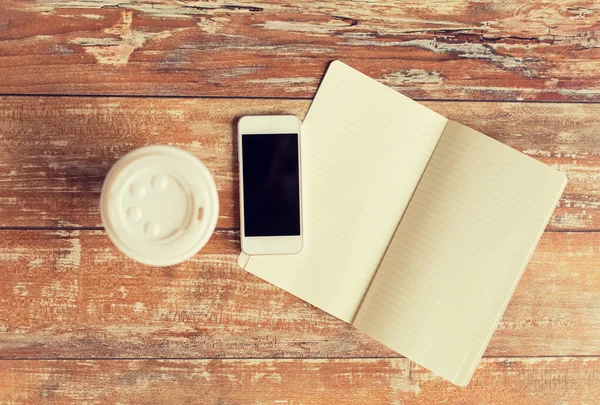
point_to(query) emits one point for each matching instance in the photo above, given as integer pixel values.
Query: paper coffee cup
(159, 205)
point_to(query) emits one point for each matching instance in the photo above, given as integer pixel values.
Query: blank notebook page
(364, 148)
(459, 252)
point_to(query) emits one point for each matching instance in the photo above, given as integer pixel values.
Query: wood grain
(547, 381)
(70, 294)
(79, 323)
(55, 151)
(496, 50)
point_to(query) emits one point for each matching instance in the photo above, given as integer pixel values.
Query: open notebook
(417, 229)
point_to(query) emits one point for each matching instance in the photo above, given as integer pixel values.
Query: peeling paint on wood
(87, 300)
(123, 40)
(500, 381)
(55, 152)
(497, 50)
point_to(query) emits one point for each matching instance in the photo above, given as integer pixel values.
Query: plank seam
(175, 96)
(585, 356)
(100, 228)
(152, 96)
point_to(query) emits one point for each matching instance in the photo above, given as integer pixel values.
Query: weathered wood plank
(497, 50)
(514, 381)
(55, 151)
(70, 294)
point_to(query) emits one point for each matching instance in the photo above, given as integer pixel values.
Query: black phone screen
(271, 184)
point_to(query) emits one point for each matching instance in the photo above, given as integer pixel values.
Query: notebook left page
(364, 149)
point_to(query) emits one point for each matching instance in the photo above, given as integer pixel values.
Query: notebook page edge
(339, 65)
(243, 260)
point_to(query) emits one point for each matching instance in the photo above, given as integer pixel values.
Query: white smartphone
(270, 184)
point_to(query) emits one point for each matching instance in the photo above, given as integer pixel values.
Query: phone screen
(271, 184)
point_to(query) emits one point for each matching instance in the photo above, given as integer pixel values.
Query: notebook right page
(459, 252)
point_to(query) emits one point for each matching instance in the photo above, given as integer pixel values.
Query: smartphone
(270, 184)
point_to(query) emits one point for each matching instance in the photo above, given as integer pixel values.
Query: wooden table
(85, 81)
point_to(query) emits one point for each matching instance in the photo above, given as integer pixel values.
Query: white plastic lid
(159, 205)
